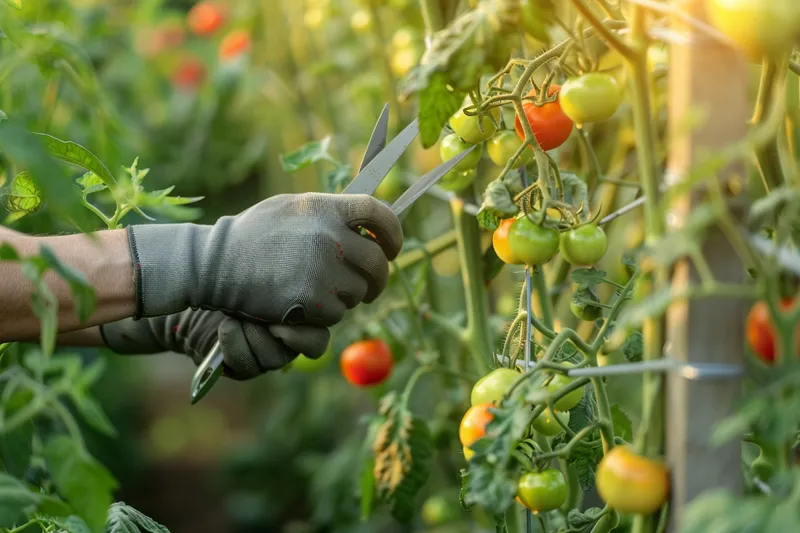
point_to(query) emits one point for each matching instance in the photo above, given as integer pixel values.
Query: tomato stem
(767, 155)
(540, 284)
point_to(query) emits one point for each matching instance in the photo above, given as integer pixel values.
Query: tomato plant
(592, 97)
(543, 491)
(631, 483)
(470, 128)
(500, 242)
(551, 127)
(585, 245)
(531, 243)
(367, 363)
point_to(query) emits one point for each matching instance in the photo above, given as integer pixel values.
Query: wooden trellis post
(711, 77)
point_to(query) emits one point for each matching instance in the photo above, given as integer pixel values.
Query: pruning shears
(379, 159)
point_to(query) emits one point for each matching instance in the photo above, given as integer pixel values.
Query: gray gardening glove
(249, 349)
(290, 259)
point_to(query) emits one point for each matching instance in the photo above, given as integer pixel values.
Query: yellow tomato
(631, 483)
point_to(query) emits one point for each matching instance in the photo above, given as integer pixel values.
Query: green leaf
(474, 44)
(16, 446)
(23, 195)
(8, 252)
(583, 522)
(633, 347)
(53, 507)
(82, 292)
(71, 524)
(93, 414)
(306, 155)
(623, 427)
(587, 278)
(91, 374)
(462, 494)
(634, 314)
(338, 178)
(91, 183)
(437, 103)
(367, 488)
(123, 518)
(16, 500)
(81, 480)
(575, 189)
(75, 154)
(497, 205)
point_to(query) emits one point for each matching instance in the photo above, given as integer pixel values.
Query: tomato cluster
(523, 241)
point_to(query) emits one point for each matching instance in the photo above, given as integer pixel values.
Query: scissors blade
(377, 140)
(368, 179)
(209, 371)
(426, 182)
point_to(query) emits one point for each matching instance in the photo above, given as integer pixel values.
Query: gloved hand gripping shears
(378, 161)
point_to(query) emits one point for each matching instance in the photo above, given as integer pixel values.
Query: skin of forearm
(104, 258)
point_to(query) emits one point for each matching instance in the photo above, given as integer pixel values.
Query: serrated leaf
(338, 178)
(84, 482)
(497, 205)
(123, 518)
(8, 252)
(633, 347)
(587, 277)
(71, 524)
(53, 507)
(623, 427)
(575, 189)
(583, 522)
(75, 154)
(23, 195)
(93, 414)
(15, 500)
(306, 155)
(16, 446)
(91, 183)
(437, 103)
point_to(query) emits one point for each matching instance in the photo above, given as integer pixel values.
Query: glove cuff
(130, 337)
(165, 265)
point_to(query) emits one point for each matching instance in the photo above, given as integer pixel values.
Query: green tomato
(532, 244)
(467, 127)
(438, 510)
(571, 399)
(592, 97)
(584, 246)
(543, 491)
(493, 386)
(457, 180)
(503, 146)
(585, 310)
(546, 423)
(452, 145)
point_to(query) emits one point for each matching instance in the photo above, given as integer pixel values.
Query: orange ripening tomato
(632, 483)
(500, 243)
(234, 44)
(550, 125)
(761, 332)
(366, 363)
(473, 425)
(190, 74)
(204, 18)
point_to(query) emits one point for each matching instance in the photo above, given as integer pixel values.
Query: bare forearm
(104, 260)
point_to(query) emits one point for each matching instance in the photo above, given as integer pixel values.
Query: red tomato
(205, 18)
(234, 44)
(190, 74)
(367, 363)
(761, 333)
(550, 125)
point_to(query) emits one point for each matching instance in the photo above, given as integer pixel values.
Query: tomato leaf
(338, 178)
(84, 482)
(23, 195)
(494, 468)
(633, 347)
(474, 44)
(437, 103)
(586, 278)
(575, 189)
(16, 446)
(403, 447)
(16, 500)
(91, 183)
(497, 205)
(462, 493)
(93, 414)
(306, 155)
(75, 154)
(71, 524)
(123, 518)
(623, 427)
(583, 522)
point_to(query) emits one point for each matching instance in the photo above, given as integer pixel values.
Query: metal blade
(377, 140)
(426, 182)
(376, 170)
(207, 373)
